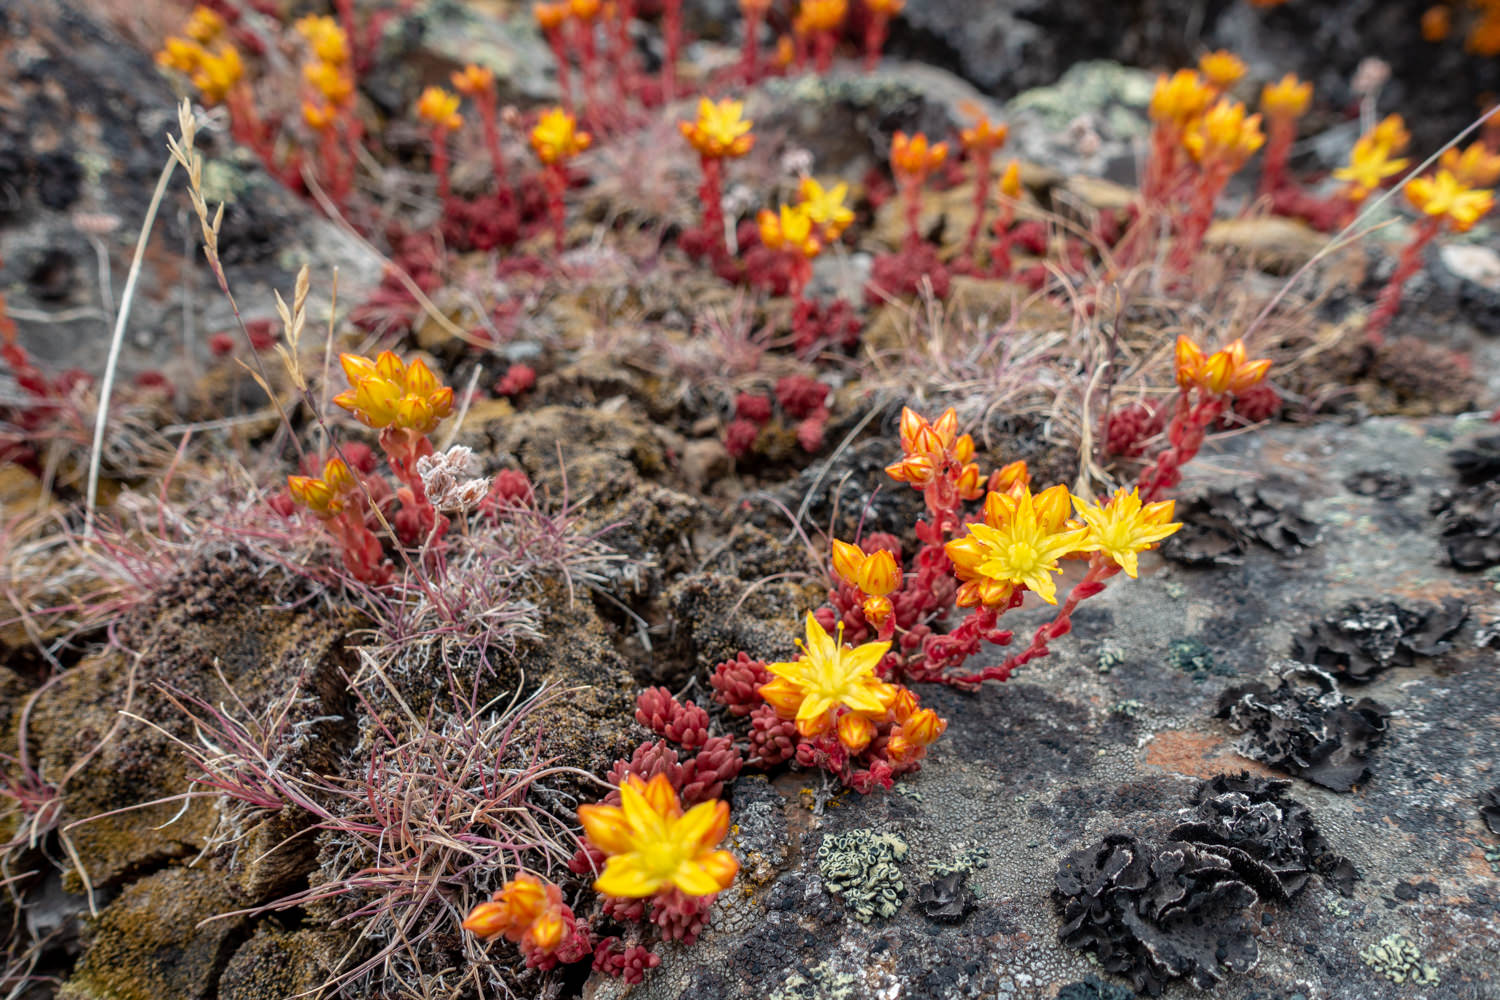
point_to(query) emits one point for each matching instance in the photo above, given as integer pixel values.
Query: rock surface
(1067, 751)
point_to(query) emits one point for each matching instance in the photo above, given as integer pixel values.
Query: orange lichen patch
(1199, 755)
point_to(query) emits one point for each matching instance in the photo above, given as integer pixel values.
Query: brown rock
(157, 940)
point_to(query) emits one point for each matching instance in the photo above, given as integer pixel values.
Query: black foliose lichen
(1489, 809)
(1269, 836)
(1365, 638)
(1184, 906)
(1382, 484)
(1306, 726)
(1220, 527)
(947, 898)
(1468, 522)
(1154, 912)
(1478, 460)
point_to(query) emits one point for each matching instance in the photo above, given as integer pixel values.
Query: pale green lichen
(824, 982)
(1398, 960)
(860, 868)
(1191, 657)
(1109, 658)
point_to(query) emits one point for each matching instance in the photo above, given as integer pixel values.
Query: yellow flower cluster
(820, 15)
(984, 136)
(556, 137)
(214, 69)
(790, 229)
(386, 392)
(327, 72)
(833, 688)
(1287, 99)
(1443, 196)
(651, 846)
(914, 158)
(1178, 99)
(526, 910)
(1226, 372)
(1222, 69)
(927, 449)
(721, 130)
(1023, 537)
(875, 575)
(1374, 158)
(328, 496)
(439, 108)
(1224, 136)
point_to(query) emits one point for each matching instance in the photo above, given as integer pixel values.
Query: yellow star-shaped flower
(828, 676)
(652, 846)
(1122, 528)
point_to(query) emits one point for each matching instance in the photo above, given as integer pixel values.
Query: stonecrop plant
(453, 823)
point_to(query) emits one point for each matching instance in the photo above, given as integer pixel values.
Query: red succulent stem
(801, 275)
(489, 116)
(403, 447)
(559, 47)
(246, 125)
(1161, 164)
(362, 552)
(555, 179)
(982, 165)
(440, 163)
(1205, 195)
(750, 54)
(911, 195)
(711, 194)
(1409, 264)
(351, 28)
(331, 160)
(1100, 569)
(1278, 148)
(672, 32)
(1185, 436)
(877, 27)
(941, 652)
(588, 58)
(823, 47)
(623, 52)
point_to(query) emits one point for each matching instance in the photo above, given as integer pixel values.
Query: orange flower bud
(439, 108)
(904, 705)
(1189, 363)
(1010, 181)
(983, 136)
(855, 731)
(847, 559)
(337, 475)
(487, 919)
(1437, 22)
(923, 728)
(550, 16)
(876, 610)
(914, 157)
(1011, 476)
(473, 80)
(879, 575)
